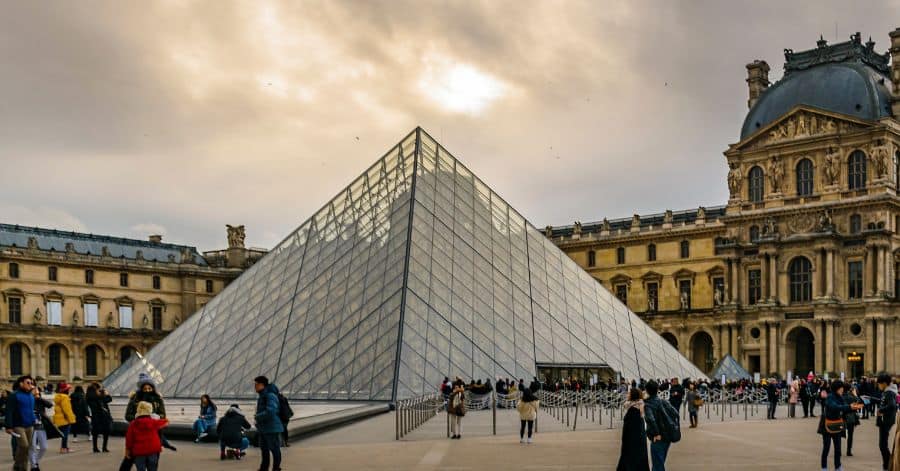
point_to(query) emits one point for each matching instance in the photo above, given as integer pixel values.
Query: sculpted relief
(882, 158)
(735, 177)
(803, 125)
(831, 171)
(776, 173)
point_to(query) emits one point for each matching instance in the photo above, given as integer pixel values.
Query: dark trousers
(805, 407)
(522, 428)
(65, 435)
(850, 439)
(105, 440)
(883, 446)
(772, 406)
(658, 452)
(827, 439)
(270, 443)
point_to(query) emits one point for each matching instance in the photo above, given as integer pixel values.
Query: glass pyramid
(729, 367)
(415, 271)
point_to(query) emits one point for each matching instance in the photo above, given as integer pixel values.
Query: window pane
(54, 313)
(15, 311)
(90, 315)
(125, 317)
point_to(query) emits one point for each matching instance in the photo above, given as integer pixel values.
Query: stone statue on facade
(75, 318)
(769, 227)
(735, 177)
(176, 321)
(776, 174)
(717, 297)
(701, 213)
(881, 158)
(825, 222)
(110, 319)
(37, 316)
(145, 321)
(576, 228)
(832, 168)
(635, 221)
(606, 224)
(651, 305)
(684, 302)
(548, 232)
(667, 218)
(236, 236)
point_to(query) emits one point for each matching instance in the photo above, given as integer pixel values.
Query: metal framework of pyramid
(730, 367)
(415, 271)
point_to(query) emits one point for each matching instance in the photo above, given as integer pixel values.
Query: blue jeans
(199, 427)
(65, 436)
(658, 452)
(147, 463)
(245, 443)
(270, 443)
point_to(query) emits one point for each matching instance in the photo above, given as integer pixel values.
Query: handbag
(698, 402)
(834, 426)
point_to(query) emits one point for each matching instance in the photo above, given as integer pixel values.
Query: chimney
(895, 71)
(155, 239)
(757, 80)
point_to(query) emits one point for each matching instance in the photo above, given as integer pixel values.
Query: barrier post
(575, 423)
(397, 420)
(494, 411)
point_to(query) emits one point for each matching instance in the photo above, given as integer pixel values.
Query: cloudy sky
(178, 117)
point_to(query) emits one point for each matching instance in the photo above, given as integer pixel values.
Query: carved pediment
(800, 123)
(683, 274)
(651, 276)
(620, 278)
(715, 271)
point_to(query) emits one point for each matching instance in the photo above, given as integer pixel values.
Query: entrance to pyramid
(586, 374)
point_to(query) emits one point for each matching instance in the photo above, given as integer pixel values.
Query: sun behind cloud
(458, 87)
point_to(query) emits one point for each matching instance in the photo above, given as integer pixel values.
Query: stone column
(820, 346)
(829, 345)
(829, 274)
(735, 281)
(879, 270)
(819, 278)
(773, 278)
(72, 362)
(870, 345)
(773, 347)
(723, 338)
(717, 343)
(764, 350)
(871, 265)
(880, 351)
(733, 332)
(763, 278)
(729, 297)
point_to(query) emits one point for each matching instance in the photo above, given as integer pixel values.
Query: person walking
(231, 432)
(456, 408)
(268, 424)
(633, 455)
(206, 420)
(832, 426)
(63, 416)
(662, 426)
(676, 394)
(20, 420)
(528, 409)
(142, 442)
(101, 418)
(886, 416)
(43, 429)
(694, 402)
(793, 397)
(772, 396)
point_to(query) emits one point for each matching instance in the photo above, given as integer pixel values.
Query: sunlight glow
(458, 87)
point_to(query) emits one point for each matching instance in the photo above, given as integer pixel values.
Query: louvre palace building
(798, 270)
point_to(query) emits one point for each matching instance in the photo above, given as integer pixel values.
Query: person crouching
(231, 432)
(142, 443)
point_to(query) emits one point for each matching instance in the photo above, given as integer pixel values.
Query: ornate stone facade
(74, 306)
(799, 271)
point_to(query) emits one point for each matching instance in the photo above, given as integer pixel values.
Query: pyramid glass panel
(415, 271)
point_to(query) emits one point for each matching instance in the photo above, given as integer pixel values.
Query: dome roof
(846, 78)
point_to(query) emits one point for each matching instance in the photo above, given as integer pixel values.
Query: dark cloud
(186, 115)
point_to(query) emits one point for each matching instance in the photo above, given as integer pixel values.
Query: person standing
(694, 401)
(142, 442)
(851, 419)
(207, 418)
(832, 426)
(101, 418)
(804, 398)
(43, 429)
(793, 397)
(268, 424)
(676, 394)
(456, 408)
(528, 409)
(63, 416)
(661, 419)
(633, 456)
(82, 423)
(886, 416)
(772, 396)
(20, 420)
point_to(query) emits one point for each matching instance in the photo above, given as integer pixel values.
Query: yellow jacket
(527, 410)
(62, 410)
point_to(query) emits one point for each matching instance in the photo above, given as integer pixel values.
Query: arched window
(804, 177)
(856, 170)
(54, 360)
(685, 249)
(756, 186)
(651, 253)
(16, 359)
(800, 272)
(754, 233)
(89, 276)
(855, 224)
(91, 354)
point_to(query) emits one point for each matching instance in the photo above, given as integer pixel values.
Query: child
(142, 442)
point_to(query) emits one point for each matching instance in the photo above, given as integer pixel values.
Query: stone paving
(784, 444)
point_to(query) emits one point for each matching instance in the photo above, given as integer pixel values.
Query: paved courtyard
(733, 444)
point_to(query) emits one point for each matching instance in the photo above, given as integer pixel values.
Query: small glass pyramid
(729, 367)
(415, 271)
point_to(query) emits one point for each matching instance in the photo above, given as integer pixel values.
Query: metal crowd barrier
(412, 413)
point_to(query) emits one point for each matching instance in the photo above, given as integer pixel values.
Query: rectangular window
(15, 310)
(54, 313)
(15, 359)
(55, 360)
(123, 279)
(13, 270)
(51, 273)
(157, 283)
(90, 361)
(620, 255)
(90, 315)
(855, 280)
(125, 317)
(622, 293)
(684, 290)
(651, 253)
(89, 277)
(652, 297)
(157, 317)
(209, 284)
(685, 249)
(754, 282)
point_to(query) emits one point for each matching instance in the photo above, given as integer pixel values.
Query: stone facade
(75, 306)
(799, 270)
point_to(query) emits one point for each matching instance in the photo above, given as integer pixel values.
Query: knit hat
(63, 387)
(144, 378)
(144, 408)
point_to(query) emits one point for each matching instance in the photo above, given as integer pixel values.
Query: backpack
(670, 423)
(284, 409)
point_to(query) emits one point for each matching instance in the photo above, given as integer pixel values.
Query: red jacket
(142, 437)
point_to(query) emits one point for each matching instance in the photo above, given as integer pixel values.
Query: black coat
(101, 417)
(82, 413)
(634, 443)
(230, 428)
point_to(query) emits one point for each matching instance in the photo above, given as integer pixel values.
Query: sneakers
(529, 441)
(521, 440)
(203, 435)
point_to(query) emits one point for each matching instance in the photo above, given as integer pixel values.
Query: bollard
(494, 411)
(575, 423)
(397, 417)
(448, 421)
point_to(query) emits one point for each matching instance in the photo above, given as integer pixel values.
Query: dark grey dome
(851, 88)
